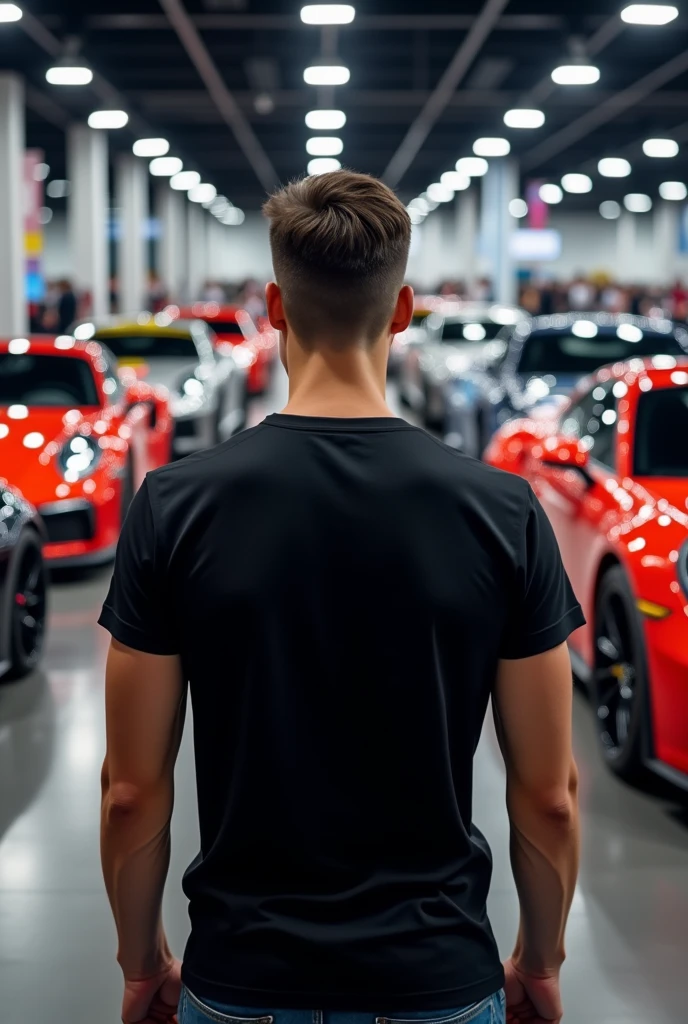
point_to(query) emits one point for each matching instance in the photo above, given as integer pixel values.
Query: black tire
(245, 405)
(26, 605)
(217, 424)
(430, 418)
(127, 488)
(620, 684)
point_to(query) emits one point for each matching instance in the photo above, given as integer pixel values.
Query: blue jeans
(193, 1011)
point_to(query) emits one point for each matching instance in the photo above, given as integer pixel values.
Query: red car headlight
(78, 458)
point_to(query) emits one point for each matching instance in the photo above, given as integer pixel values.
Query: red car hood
(20, 464)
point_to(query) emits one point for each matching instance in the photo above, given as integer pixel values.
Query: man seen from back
(341, 595)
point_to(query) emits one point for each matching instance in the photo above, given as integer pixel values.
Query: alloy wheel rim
(29, 605)
(615, 676)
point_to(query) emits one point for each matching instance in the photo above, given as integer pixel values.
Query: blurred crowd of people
(597, 292)
(62, 304)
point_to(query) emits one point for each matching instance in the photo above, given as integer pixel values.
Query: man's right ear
(275, 307)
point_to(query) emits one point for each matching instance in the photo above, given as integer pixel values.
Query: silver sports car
(448, 342)
(207, 386)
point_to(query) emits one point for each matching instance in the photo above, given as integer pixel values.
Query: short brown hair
(340, 244)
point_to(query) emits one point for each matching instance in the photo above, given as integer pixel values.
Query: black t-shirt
(339, 591)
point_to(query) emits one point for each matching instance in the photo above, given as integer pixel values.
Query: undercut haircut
(340, 244)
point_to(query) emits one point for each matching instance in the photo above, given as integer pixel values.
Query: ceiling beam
(222, 97)
(605, 112)
(402, 101)
(362, 22)
(437, 101)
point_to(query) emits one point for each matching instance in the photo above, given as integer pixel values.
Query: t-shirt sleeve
(136, 610)
(543, 611)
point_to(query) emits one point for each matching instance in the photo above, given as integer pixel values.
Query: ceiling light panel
(491, 147)
(325, 120)
(151, 147)
(614, 167)
(551, 194)
(524, 118)
(649, 14)
(576, 183)
(661, 148)
(674, 191)
(203, 193)
(108, 119)
(165, 166)
(610, 209)
(576, 74)
(326, 74)
(518, 208)
(10, 12)
(324, 145)
(637, 202)
(328, 14)
(473, 166)
(182, 181)
(440, 193)
(61, 74)
(455, 181)
(323, 164)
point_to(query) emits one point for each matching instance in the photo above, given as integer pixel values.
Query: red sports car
(77, 440)
(611, 469)
(235, 326)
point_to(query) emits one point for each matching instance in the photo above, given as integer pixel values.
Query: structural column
(13, 306)
(132, 262)
(499, 187)
(625, 247)
(197, 250)
(467, 236)
(172, 245)
(87, 164)
(665, 230)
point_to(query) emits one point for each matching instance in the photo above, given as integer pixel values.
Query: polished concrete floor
(628, 934)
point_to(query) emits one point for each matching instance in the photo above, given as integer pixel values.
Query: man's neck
(338, 384)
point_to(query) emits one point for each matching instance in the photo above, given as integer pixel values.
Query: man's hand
(531, 999)
(154, 1000)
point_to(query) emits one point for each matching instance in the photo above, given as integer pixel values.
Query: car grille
(68, 521)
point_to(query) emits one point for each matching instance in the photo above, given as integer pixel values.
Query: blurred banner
(33, 229)
(538, 211)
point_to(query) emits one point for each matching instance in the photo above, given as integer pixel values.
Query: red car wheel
(620, 677)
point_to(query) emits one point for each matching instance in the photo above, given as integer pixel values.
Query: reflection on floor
(628, 939)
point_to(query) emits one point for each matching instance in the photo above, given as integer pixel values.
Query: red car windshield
(661, 430)
(225, 326)
(45, 380)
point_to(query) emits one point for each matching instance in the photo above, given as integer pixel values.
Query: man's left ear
(403, 311)
(275, 307)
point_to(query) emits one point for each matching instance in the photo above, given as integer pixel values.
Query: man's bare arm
(145, 703)
(533, 713)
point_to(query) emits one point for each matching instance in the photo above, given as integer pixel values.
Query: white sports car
(207, 385)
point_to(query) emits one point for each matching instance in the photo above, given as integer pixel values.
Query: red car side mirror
(564, 453)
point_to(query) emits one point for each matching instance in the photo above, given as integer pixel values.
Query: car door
(583, 510)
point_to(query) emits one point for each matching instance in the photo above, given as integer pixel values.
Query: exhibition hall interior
(541, 150)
